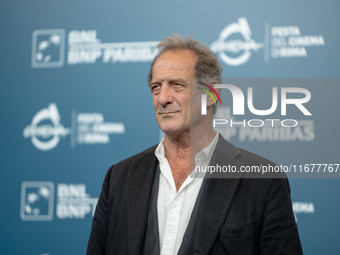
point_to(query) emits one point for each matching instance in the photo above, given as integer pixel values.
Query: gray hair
(206, 66)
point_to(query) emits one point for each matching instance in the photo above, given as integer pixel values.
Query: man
(150, 204)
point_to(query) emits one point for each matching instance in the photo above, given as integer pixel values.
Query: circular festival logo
(46, 136)
(222, 46)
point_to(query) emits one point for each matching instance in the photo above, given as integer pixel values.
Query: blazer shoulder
(146, 155)
(251, 158)
(266, 169)
(247, 157)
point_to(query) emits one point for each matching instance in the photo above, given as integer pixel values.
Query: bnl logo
(37, 201)
(48, 48)
(238, 99)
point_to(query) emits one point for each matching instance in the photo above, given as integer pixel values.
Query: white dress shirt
(174, 208)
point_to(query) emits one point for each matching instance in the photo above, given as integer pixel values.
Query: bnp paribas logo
(37, 201)
(56, 47)
(48, 48)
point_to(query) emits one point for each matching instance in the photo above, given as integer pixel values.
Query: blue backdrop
(74, 100)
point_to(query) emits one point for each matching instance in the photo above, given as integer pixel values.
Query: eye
(155, 89)
(177, 86)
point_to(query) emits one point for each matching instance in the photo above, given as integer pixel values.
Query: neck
(178, 145)
(181, 150)
(189, 144)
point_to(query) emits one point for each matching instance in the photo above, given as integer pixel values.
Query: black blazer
(232, 216)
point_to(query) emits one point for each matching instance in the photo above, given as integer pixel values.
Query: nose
(165, 96)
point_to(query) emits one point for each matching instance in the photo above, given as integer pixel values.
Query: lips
(167, 112)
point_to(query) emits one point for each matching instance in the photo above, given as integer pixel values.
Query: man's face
(170, 87)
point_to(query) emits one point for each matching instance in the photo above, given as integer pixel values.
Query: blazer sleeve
(97, 244)
(279, 232)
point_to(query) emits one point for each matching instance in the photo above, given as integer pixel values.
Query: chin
(169, 129)
(172, 130)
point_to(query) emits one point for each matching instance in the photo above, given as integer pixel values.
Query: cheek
(154, 102)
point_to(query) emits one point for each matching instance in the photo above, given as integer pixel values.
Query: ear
(210, 101)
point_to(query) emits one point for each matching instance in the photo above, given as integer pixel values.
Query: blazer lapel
(213, 202)
(140, 178)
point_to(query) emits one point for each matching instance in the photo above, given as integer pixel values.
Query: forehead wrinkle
(170, 64)
(165, 67)
(173, 58)
(168, 75)
(168, 80)
(178, 69)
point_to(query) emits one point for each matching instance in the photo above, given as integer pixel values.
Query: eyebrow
(168, 80)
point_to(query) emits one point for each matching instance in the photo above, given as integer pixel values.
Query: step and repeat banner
(74, 100)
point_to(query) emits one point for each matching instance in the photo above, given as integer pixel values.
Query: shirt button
(169, 239)
(174, 204)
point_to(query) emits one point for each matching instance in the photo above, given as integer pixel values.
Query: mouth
(166, 113)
